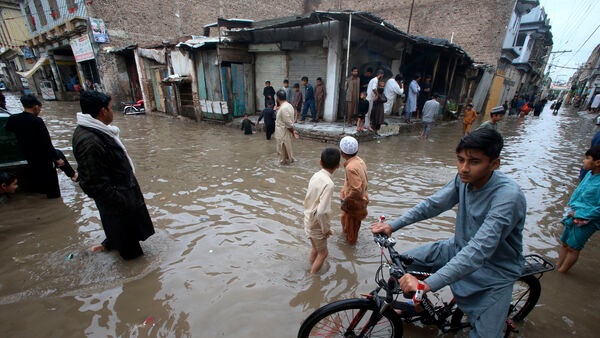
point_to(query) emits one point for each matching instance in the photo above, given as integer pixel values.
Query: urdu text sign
(82, 48)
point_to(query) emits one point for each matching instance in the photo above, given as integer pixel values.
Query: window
(54, 11)
(71, 6)
(40, 12)
(30, 18)
(520, 39)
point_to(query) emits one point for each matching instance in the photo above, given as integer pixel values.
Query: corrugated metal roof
(200, 41)
(363, 20)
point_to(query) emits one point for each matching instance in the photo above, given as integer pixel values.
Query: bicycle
(374, 315)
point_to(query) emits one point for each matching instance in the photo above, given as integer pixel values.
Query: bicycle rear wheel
(351, 318)
(525, 295)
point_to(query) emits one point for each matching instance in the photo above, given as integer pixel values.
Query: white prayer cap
(349, 145)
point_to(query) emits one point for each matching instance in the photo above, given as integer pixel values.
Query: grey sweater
(486, 250)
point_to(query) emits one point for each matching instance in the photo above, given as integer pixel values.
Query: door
(134, 80)
(238, 89)
(159, 99)
(233, 88)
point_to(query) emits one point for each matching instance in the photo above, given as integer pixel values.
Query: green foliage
(451, 106)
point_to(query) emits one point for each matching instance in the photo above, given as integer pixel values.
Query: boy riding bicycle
(484, 257)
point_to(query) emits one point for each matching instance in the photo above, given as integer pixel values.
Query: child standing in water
(582, 218)
(363, 109)
(317, 208)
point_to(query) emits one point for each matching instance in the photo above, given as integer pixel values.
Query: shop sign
(82, 48)
(99, 30)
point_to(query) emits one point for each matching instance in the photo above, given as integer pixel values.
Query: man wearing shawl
(106, 174)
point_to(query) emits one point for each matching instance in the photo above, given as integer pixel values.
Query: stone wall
(479, 26)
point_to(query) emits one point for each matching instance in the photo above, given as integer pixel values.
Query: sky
(573, 22)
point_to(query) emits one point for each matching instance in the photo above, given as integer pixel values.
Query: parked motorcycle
(133, 108)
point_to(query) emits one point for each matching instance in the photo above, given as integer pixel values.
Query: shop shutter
(271, 67)
(310, 62)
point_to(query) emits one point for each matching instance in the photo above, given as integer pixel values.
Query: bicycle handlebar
(387, 242)
(400, 262)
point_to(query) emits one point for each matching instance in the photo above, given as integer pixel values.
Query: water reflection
(230, 254)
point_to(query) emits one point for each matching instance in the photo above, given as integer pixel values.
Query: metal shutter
(269, 67)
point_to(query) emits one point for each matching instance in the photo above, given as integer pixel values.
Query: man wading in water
(106, 174)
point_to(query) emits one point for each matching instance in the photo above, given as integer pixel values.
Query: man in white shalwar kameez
(373, 85)
(284, 129)
(411, 101)
(393, 88)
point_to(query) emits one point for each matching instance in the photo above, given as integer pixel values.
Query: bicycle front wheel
(525, 294)
(351, 318)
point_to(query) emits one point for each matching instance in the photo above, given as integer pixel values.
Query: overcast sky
(573, 22)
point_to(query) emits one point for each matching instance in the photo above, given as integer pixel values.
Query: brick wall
(139, 21)
(479, 26)
(142, 21)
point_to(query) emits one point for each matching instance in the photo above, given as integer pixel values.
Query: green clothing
(585, 202)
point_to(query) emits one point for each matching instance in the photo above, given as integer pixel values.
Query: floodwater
(229, 258)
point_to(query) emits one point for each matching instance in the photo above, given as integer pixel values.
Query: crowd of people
(368, 97)
(480, 262)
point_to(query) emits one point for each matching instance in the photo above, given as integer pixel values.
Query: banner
(82, 48)
(99, 30)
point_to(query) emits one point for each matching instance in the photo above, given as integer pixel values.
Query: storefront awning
(40, 62)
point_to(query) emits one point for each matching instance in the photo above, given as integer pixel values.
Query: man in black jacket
(106, 174)
(34, 141)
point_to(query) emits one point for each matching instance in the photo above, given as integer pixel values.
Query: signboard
(82, 48)
(99, 30)
(27, 53)
(47, 90)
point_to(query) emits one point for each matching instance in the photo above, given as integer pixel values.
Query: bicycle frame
(430, 315)
(432, 309)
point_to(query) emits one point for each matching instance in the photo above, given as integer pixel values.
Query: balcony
(65, 30)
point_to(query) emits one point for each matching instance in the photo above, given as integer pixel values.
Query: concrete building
(484, 29)
(527, 46)
(585, 82)
(77, 40)
(477, 26)
(221, 77)
(14, 56)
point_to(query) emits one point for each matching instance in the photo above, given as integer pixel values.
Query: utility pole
(410, 16)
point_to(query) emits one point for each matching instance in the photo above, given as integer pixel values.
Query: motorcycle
(133, 108)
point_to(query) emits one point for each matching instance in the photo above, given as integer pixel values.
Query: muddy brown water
(230, 257)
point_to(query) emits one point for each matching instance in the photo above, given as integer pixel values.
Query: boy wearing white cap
(496, 115)
(354, 194)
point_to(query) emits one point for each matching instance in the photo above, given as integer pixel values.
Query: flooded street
(230, 257)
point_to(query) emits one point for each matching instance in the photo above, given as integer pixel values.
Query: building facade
(585, 82)
(87, 43)
(526, 48)
(14, 56)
